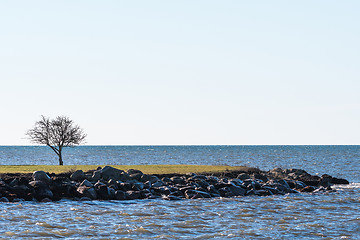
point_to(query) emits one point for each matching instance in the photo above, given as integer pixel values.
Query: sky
(183, 72)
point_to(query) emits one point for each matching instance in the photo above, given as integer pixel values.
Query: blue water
(334, 215)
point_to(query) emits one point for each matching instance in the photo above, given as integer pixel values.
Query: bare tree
(57, 134)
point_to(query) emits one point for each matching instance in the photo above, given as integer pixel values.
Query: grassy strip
(147, 169)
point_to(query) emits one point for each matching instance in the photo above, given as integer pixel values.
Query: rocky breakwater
(109, 183)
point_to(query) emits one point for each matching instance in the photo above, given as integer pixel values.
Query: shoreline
(109, 183)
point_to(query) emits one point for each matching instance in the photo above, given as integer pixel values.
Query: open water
(334, 215)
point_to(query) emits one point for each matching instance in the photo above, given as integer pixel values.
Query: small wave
(347, 186)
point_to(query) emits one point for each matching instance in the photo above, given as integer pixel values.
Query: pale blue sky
(183, 72)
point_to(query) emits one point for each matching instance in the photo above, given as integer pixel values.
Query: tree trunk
(60, 158)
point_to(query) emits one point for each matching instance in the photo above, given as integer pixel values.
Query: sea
(331, 215)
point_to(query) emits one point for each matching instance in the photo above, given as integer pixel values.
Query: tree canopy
(56, 133)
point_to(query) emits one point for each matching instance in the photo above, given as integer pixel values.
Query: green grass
(147, 169)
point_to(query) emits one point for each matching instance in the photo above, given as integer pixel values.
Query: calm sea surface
(333, 215)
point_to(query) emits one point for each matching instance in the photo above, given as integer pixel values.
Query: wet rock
(193, 194)
(41, 176)
(237, 191)
(102, 192)
(83, 199)
(46, 200)
(325, 180)
(120, 195)
(4, 199)
(87, 192)
(171, 198)
(308, 189)
(284, 183)
(78, 176)
(335, 180)
(131, 195)
(212, 189)
(42, 190)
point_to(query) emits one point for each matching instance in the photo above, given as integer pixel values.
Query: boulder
(87, 192)
(96, 176)
(237, 191)
(339, 181)
(131, 195)
(108, 173)
(177, 180)
(42, 190)
(4, 199)
(120, 195)
(77, 176)
(41, 176)
(243, 176)
(138, 186)
(103, 192)
(86, 183)
(134, 171)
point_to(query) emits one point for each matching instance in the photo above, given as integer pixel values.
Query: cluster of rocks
(109, 183)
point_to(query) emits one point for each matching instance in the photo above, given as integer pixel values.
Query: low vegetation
(147, 169)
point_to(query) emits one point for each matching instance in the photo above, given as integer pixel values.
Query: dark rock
(339, 181)
(212, 179)
(171, 198)
(41, 176)
(212, 189)
(46, 200)
(86, 183)
(131, 195)
(87, 192)
(325, 180)
(177, 180)
(124, 186)
(284, 183)
(134, 171)
(108, 173)
(4, 199)
(42, 190)
(85, 199)
(138, 186)
(96, 176)
(120, 195)
(260, 177)
(153, 179)
(78, 176)
(136, 176)
(308, 189)
(157, 184)
(103, 192)
(243, 176)
(237, 191)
